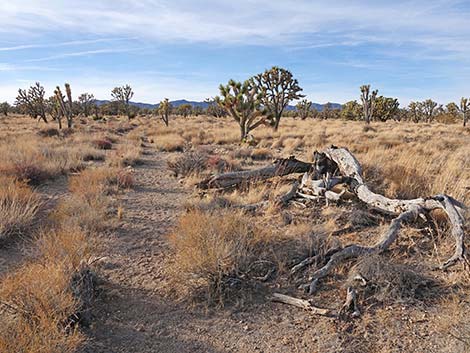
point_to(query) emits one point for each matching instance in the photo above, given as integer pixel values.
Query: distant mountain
(204, 105)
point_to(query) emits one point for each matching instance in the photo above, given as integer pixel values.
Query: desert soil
(134, 313)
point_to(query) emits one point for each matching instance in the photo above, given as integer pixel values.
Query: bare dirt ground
(133, 312)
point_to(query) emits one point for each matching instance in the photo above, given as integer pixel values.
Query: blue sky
(411, 50)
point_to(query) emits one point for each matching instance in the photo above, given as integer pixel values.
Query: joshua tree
(465, 109)
(32, 101)
(65, 105)
(123, 95)
(184, 110)
(53, 108)
(5, 108)
(385, 108)
(214, 109)
(429, 107)
(368, 101)
(351, 111)
(416, 111)
(241, 101)
(86, 102)
(164, 108)
(277, 87)
(303, 108)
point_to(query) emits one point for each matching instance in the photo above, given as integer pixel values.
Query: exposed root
(350, 304)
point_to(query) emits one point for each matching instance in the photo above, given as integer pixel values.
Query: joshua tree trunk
(243, 131)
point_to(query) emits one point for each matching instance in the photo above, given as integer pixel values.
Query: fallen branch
(280, 168)
(300, 303)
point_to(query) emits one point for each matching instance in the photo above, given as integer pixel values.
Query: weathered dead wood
(304, 263)
(350, 167)
(300, 303)
(404, 210)
(280, 168)
(350, 303)
(284, 199)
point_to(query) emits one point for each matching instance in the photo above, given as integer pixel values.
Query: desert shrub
(102, 144)
(92, 154)
(389, 282)
(128, 155)
(89, 214)
(188, 163)
(124, 179)
(18, 206)
(211, 250)
(35, 163)
(260, 154)
(170, 143)
(41, 295)
(222, 165)
(49, 132)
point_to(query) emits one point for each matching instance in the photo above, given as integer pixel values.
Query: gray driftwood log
(280, 167)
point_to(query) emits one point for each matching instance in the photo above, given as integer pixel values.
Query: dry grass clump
(41, 304)
(49, 132)
(89, 204)
(41, 297)
(102, 144)
(128, 155)
(18, 206)
(188, 164)
(198, 163)
(92, 154)
(170, 142)
(212, 250)
(36, 162)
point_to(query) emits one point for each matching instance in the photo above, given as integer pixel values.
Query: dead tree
(278, 168)
(335, 166)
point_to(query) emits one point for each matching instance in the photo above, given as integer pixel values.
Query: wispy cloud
(83, 53)
(61, 44)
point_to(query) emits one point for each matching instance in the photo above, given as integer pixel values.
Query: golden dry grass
(38, 296)
(211, 248)
(18, 206)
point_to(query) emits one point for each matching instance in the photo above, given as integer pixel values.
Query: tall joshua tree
(65, 103)
(86, 102)
(164, 109)
(241, 101)
(429, 107)
(32, 101)
(303, 108)
(465, 109)
(123, 96)
(277, 88)
(368, 101)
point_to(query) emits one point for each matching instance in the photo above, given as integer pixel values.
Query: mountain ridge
(204, 105)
